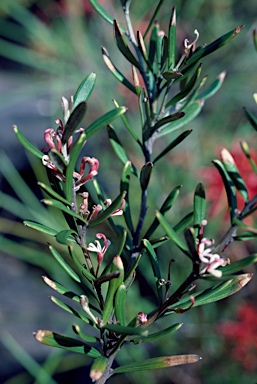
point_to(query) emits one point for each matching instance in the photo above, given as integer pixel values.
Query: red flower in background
(241, 335)
(215, 190)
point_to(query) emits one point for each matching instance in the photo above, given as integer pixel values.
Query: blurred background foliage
(46, 48)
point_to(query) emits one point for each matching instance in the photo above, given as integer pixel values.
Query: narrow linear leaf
(58, 160)
(229, 187)
(64, 265)
(191, 112)
(26, 144)
(220, 42)
(74, 121)
(217, 292)
(122, 45)
(154, 17)
(188, 88)
(158, 335)
(84, 90)
(74, 154)
(129, 331)
(102, 12)
(119, 305)
(124, 187)
(233, 172)
(40, 227)
(213, 88)
(251, 118)
(168, 119)
(153, 42)
(172, 234)
(60, 341)
(66, 236)
(116, 73)
(52, 193)
(155, 267)
(157, 363)
(173, 144)
(246, 150)
(239, 265)
(62, 207)
(116, 204)
(199, 207)
(183, 223)
(172, 40)
(142, 48)
(69, 309)
(104, 120)
(84, 336)
(128, 126)
(61, 289)
(166, 206)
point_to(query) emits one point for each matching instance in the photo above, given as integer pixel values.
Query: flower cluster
(54, 141)
(209, 261)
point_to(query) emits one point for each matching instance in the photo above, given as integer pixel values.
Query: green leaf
(191, 112)
(116, 204)
(119, 149)
(173, 144)
(229, 186)
(213, 88)
(128, 126)
(145, 175)
(168, 119)
(52, 193)
(66, 236)
(155, 267)
(26, 144)
(172, 234)
(183, 223)
(104, 120)
(58, 160)
(166, 206)
(119, 305)
(70, 310)
(129, 331)
(61, 289)
(114, 284)
(56, 340)
(40, 227)
(62, 207)
(157, 363)
(64, 265)
(158, 335)
(116, 73)
(84, 336)
(124, 187)
(216, 292)
(239, 265)
(172, 40)
(188, 88)
(122, 45)
(220, 42)
(74, 154)
(172, 75)
(233, 172)
(102, 12)
(255, 39)
(142, 48)
(84, 90)
(153, 42)
(154, 17)
(199, 207)
(74, 121)
(251, 118)
(246, 151)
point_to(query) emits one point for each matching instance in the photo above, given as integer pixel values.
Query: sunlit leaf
(56, 340)
(84, 90)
